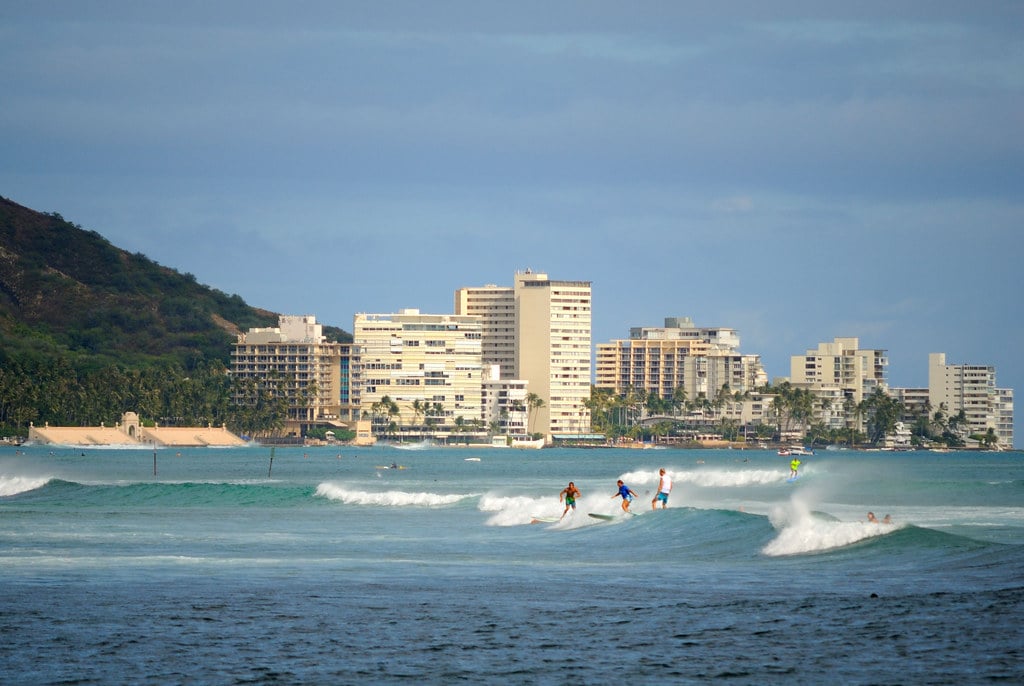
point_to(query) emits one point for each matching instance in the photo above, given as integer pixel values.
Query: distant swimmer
(887, 519)
(569, 495)
(664, 488)
(626, 493)
(793, 466)
(871, 518)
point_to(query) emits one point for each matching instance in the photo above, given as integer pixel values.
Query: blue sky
(795, 170)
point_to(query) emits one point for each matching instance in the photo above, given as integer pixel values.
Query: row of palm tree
(792, 409)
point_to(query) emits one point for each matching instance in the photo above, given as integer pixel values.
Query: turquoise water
(324, 567)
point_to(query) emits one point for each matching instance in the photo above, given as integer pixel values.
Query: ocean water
(318, 565)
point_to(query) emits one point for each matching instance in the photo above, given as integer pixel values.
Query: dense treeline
(40, 390)
(792, 409)
(89, 331)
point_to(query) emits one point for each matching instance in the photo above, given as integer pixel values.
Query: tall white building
(971, 388)
(539, 331)
(553, 325)
(429, 365)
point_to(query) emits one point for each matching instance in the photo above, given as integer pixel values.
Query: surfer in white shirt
(664, 488)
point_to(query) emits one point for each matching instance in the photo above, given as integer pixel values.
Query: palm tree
(534, 402)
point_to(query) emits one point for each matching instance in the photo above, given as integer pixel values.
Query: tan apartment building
(496, 307)
(429, 365)
(679, 355)
(842, 365)
(971, 388)
(538, 332)
(553, 338)
(296, 359)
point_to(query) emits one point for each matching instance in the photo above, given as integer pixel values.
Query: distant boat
(796, 450)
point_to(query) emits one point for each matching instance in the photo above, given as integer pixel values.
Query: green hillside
(88, 330)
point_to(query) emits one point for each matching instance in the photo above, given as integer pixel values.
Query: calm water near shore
(327, 567)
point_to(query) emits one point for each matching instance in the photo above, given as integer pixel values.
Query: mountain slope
(66, 291)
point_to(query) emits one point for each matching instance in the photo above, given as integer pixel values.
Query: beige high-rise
(539, 331)
(301, 365)
(843, 365)
(660, 360)
(971, 388)
(429, 365)
(553, 329)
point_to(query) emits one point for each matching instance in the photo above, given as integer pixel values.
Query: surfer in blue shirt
(626, 493)
(569, 494)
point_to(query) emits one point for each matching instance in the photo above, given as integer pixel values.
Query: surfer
(664, 488)
(627, 495)
(887, 519)
(569, 495)
(793, 466)
(871, 518)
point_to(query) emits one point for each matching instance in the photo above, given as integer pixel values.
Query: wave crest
(386, 498)
(13, 485)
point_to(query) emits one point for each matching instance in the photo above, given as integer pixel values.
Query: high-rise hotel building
(660, 360)
(295, 360)
(539, 331)
(971, 388)
(841, 364)
(429, 365)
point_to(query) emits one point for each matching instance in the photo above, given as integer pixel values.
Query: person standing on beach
(664, 488)
(626, 493)
(569, 495)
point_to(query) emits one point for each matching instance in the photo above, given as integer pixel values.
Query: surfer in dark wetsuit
(569, 495)
(626, 493)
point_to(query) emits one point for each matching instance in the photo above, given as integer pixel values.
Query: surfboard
(605, 517)
(543, 520)
(791, 479)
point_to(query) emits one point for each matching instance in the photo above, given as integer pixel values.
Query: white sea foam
(387, 498)
(708, 478)
(518, 510)
(13, 485)
(799, 531)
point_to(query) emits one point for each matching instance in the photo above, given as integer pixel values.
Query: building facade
(298, 363)
(552, 351)
(702, 361)
(841, 364)
(496, 307)
(538, 332)
(429, 365)
(505, 403)
(972, 389)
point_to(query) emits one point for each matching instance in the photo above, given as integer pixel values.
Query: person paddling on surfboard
(626, 493)
(664, 488)
(569, 495)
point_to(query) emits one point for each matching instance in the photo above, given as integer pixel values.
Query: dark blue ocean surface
(333, 569)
